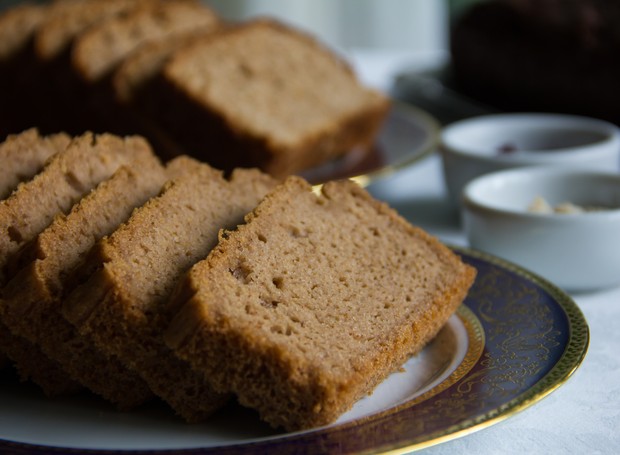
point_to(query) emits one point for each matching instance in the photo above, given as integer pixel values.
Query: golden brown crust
(145, 63)
(31, 300)
(79, 45)
(290, 120)
(73, 172)
(304, 309)
(122, 307)
(23, 155)
(66, 178)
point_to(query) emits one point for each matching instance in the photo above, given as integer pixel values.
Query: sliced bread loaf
(24, 155)
(66, 178)
(308, 306)
(56, 33)
(122, 306)
(100, 49)
(270, 96)
(138, 69)
(134, 86)
(30, 303)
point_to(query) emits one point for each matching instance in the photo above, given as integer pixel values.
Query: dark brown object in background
(17, 70)
(546, 55)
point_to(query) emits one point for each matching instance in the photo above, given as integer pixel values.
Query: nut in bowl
(489, 143)
(577, 249)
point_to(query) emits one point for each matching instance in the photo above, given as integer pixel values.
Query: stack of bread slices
(135, 278)
(255, 94)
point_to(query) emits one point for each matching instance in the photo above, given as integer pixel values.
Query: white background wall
(408, 25)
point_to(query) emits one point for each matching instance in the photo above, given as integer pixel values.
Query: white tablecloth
(583, 415)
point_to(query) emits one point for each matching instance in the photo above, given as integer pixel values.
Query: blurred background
(456, 58)
(411, 24)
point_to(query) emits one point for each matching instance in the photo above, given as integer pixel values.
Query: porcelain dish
(490, 361)
(489, 143)
(576, 251)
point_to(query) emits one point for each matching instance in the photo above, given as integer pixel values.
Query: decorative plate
(515, 339)
(407, 135)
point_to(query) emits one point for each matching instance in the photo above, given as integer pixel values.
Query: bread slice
(308, 306)
(17, 26)
(99, 50)
(122, 306)
(35, 366)
(30, 304)
(271, 96)
(142, 66)
(68, 176)
(134, 86)
(23, 155)
(56, 33)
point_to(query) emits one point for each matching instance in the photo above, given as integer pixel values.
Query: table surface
(583, 415)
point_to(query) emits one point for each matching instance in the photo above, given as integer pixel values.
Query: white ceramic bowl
(489, 143)
(578, 252)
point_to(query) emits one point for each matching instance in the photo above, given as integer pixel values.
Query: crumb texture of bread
(262, 87)
(30, 303)
(292, 102)
(64, 180)
(304, 309)
(23, 155)
(122, 306)
(102, 48)
(67, 177)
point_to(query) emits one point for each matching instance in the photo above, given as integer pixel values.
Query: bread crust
(68, 176)
(31, 300)
(187, 88)
(301, 316)
(23, 155)
(122, 307)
